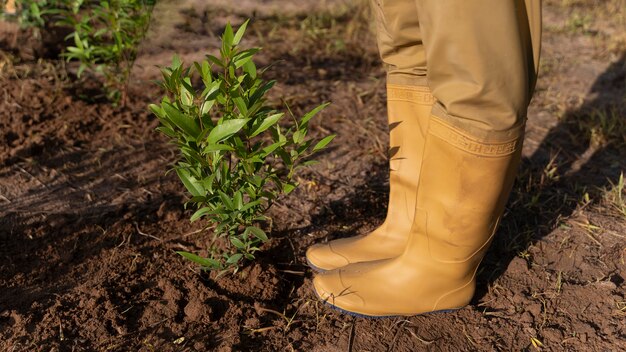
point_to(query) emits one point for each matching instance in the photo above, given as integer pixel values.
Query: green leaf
(190, 153)
(259, 93)
(271, 148)
(267, 123)
(209, 94)
(197, 200)
(240, 33)
(234, 258)
(225, 130)
(78, 41)
(228, 203)
(241, 105)
(205, 72)
(303, 146)
(207, 183)
(200, 213)
(157, 110)
(206, 106)
(180, 120)
(73, 49)
(298, 136)
(250, 68)
(288, 187)
(167, 131)
(81, 69)
(257, 232)
(310, 163)
(244, 57)
(309, 115)
(217, 147)
(324, 142)
(250, 205)
(186, 96)
(238, 200)
(212, 90)
(205, 262)
(193, 186)
(227, 37)
(284, 156)
(237, 243)
(215, 60)
(176, 63)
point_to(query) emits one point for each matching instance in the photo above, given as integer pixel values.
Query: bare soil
(89, 220)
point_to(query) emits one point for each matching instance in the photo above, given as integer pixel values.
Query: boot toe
(321, 257)
(362, 289)
(331, 289)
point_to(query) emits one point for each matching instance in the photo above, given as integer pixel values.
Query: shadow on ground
(583, 154)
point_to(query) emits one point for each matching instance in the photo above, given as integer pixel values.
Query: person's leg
(399, 41)
(9, 7)
(409, 103)
(482, 59)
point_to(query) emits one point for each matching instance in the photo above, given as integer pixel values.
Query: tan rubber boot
(464, 183)
(408, 110)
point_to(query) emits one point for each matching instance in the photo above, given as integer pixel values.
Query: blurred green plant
(236, 156)
(32, 13)
(106, 38)
(35, 13)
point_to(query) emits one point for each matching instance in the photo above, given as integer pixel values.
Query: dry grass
(345, 28)
(615, 196)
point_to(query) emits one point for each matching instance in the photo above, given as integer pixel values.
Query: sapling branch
(237, 159)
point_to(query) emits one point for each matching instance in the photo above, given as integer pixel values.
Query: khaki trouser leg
(482, 59)
(479, 57)
(400, 41)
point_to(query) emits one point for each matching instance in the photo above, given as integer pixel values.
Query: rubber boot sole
(316, 269)
(374, 317)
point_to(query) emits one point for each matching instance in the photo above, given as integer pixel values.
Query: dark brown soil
(89, 221)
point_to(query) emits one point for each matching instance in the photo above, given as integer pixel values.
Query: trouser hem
(406, 79)
(480, 129)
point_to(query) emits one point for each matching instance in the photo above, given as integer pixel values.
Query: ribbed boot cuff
(480, 129)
